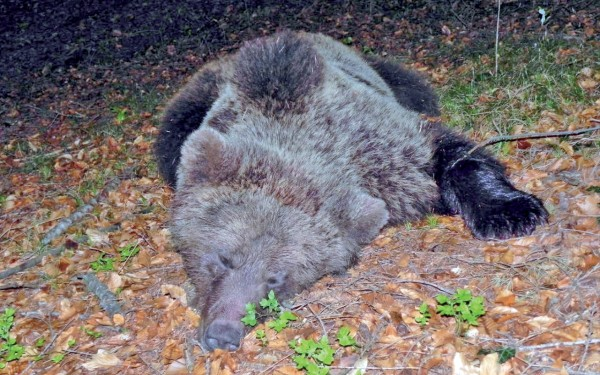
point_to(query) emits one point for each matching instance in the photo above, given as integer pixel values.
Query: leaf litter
(540, 291)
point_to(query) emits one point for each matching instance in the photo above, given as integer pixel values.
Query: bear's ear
(361, 216)
(206, 157)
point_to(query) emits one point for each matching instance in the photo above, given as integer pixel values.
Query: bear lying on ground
(291, 154)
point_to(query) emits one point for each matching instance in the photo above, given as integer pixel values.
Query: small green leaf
(14, 352)
(445, 310)
(270, 303)
(301, 362)
(442, 299)
(463, 295)
(92, 333)
(288, 315)
(262, 336)
(129, 251)
(103, 264)
(277, 325)
(505, 354)
(40, 342)
(325, 355)
(57, 358)
(344, 338)
(347, 40)
(250, 318)
(594, 189)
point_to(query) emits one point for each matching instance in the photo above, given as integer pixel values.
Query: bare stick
(50, 344)
(456, 15)
(20, 286)
(61, 228)
(516, 137)
(30, 263)
(107, 299)
(319, 319)
(427, 283)
(558, 345)
(66, 223)
(497, 38)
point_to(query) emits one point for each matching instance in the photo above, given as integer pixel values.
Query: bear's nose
(224, 334)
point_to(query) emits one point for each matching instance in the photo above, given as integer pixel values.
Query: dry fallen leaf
(175, 291)
(541, 322)
(96, 237)
(102, 360)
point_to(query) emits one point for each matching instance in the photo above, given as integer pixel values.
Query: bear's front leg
(476, 187)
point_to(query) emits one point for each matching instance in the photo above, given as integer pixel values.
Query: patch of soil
(45, 41)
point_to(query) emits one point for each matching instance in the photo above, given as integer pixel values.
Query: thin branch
(497, 38)
(457, 16)
(20, 286)
(30, 263)
(435, 286)
(516, 137)
(67, 222)
(50, 344)
(318, 319)
(61, 228)
(558, 345)
(108, 300)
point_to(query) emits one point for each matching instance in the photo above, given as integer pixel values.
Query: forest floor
(82, 88)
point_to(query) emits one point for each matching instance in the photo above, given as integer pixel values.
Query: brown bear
(291, 154)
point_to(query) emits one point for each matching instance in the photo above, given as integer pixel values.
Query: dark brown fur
(290, 155)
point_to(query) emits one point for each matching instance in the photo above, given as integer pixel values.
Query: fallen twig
(558, 345)
(516, 137)
(108, 300)
(427, 283)
(318, 319)
(30, 263)
(50, 344)
(20, 286)
(66, 223)
(60, 228)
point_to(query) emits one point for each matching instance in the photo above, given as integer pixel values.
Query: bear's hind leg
(409, 88)
(476, 187)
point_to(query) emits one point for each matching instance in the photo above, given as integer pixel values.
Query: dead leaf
(96, 237)
(173, 350)
(177, 368)
(541, 322)
(587, 83)
(102, 360)
(460, 366)
(118, 319)
(174, 291)
(115, 281)
(443, 337)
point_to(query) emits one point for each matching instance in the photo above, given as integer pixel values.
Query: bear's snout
(223, 334)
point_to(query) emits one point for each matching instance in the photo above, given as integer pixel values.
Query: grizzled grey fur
(291, 154)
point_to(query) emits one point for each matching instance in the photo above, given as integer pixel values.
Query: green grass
(532, 77)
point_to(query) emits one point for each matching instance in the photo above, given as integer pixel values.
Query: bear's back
(315, 103)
